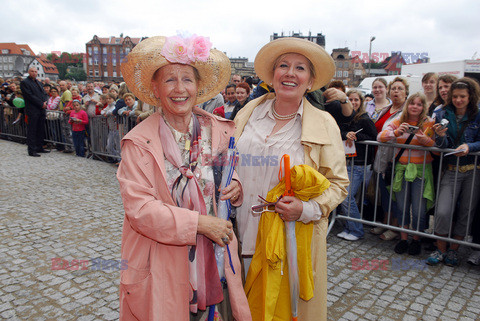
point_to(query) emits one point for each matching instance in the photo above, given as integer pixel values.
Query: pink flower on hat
(200, 48)
(186, 50)
(176, 50)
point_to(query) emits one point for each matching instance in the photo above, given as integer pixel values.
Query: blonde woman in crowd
(413, 182)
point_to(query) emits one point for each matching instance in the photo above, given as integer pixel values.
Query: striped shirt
(416, 156)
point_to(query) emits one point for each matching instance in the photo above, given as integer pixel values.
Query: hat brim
(322, 62)
(145, 59)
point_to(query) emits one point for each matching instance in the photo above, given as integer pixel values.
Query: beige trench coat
(323, 151)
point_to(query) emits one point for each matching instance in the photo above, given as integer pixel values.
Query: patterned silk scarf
(186, 192)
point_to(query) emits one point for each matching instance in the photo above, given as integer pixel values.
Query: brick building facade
(104, 56)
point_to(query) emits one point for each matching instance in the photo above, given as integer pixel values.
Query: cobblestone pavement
(69, 208)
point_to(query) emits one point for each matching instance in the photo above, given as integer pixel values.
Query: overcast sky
(445, 29)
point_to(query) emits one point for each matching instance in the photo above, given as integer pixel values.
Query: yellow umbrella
(267, 285)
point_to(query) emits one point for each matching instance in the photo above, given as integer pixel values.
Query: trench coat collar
(313, 132)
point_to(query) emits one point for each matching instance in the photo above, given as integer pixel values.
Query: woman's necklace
(282, 117)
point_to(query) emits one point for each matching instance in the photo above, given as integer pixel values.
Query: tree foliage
(70, 66)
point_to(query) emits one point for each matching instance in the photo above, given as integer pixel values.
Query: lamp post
(370, 55)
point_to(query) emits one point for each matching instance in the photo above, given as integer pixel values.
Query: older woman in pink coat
(169, 186)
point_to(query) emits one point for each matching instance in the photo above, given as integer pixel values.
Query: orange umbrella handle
(288, 176)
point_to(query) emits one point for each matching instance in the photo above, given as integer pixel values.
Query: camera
(444, 123)
(412, 129)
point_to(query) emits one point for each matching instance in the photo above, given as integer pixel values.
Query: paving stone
(5, 306)
(8, 314)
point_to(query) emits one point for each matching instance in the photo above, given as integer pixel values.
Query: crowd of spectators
(445, 115)
(389, 114)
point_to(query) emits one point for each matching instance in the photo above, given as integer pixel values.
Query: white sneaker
(342, 234)
(474, 258)
(351, 237)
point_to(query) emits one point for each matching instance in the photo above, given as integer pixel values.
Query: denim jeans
(385, 198)
(411, 195)
(79, 142)
(349, 206)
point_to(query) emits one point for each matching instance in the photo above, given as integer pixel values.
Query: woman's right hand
(401, 129)
(216, 229)
(439, 130)
(351, 138)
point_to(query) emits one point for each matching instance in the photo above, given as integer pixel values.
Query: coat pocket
(136, 288)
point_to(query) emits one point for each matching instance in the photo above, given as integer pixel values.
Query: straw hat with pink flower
(151, 54)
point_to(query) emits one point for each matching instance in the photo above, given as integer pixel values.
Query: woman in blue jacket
(463, 134)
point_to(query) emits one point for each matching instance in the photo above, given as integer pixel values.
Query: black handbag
(390, 170)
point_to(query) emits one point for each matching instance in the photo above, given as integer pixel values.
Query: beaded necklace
(282, 117)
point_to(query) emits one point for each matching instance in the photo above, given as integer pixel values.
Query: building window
(339, 73)
(117, 40)
(1, 67)
(127, 50)
(10, 67)
(90, 50)
(95, 61)
(114, 61)
(104, 50)
(105, 74)
(105, 61)
(5, 51)
(10, 58)
(114, 74)
(339, 64)
(95, 50)
(5, 59)
(345, 73)
(96, 73)
(90, 72)
(90, 61)
(345, 64)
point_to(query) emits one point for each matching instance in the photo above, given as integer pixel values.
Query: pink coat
(156, 233)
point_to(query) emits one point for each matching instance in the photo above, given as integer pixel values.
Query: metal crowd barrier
(12, 124)
(107, 132)
(430, 232)
(103, 133)
(57, 130)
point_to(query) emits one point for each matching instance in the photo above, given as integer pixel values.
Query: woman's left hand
(289, 208)
(232, 191)
(420, 134)
(465, 149)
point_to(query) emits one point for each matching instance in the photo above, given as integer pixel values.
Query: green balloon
(19, 102)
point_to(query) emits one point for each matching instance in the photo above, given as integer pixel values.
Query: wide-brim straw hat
(322, 62)
(145, 59)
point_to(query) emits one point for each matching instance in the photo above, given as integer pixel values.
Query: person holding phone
(462, 134)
